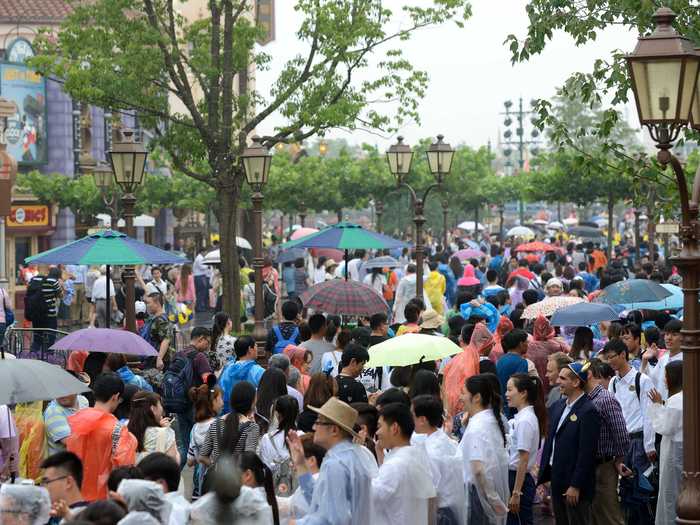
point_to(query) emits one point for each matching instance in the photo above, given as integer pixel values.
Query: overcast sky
(469, 69)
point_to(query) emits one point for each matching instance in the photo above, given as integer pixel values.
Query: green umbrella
(346, 236)
(409, 349)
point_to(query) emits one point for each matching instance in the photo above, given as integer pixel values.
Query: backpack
(145, 331)
(177, 381)
(282, 343)
(35, 306)
(284, 479)
(269, 300)
(637, 387)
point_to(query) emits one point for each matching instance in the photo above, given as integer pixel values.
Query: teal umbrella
(346, 236)
(106, 247)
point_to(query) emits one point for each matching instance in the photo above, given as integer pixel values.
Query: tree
(135, 54)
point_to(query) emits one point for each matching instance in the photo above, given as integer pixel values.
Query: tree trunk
(476, 222)
(611, 224)
(230, 274)
(559, 211)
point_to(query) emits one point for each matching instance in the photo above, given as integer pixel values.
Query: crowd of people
(582, 422)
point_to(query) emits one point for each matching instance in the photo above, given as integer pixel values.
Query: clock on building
(19, 51)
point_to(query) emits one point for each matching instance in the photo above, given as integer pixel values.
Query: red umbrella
(536, 246)
(341, 297)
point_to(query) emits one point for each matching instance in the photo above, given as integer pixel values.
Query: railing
(34, 343)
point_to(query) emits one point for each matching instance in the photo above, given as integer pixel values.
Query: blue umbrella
(292, 254)
(633, 291)
(382, 262)
(584, 314)
(673, 302)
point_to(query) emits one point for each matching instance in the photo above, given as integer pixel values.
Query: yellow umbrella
(409, 349)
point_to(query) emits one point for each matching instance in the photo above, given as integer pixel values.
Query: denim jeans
(183, 429)
(42, 340)
(201, 292)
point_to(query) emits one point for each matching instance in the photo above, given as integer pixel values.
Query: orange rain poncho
(91, 439)
(463, 366)
(29, 421)
(297, 357)
(543, 344)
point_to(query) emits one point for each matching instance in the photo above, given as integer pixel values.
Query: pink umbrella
(302, 232)
(328, 253)
(469, 253)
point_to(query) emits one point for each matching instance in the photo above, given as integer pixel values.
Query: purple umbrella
(469, 253)
(105, 340)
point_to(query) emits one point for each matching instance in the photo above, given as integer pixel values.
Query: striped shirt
(51, 290)
(614, 440)
(56, 422)
(248, 439)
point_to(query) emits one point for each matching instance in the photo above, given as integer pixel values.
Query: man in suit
(568, 458)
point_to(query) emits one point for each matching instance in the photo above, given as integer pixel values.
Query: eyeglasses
(45, 481)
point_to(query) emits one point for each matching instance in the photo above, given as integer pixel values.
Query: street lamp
(399, 157)
(664, 73)
(128, 160)
(256, 163)
(302, 213)
(445, 212)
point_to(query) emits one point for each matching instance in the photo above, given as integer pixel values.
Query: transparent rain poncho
(145, 496)
(24, 505)
(139, 518)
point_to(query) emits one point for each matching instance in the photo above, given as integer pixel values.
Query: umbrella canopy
(469, 226)
(584, 314)
(570, 221)
(520, 231)
(587, 232)
(555, 225)
(106, 247)
(346, 236)
(302, 232)
(673, 302)
(328, 253)
(469, 253)
(382, 262)
(341, 297)
(107, 341)
(214, 256)
(633, 291)
(27, 380)
(540, 222)
(549, 305)
(290, 255)
(410, 349)
(536, 246)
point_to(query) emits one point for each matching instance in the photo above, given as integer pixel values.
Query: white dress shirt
(524, 430)
(402, 488)
(567, 408)
(658, 373)
(636, 411)
(99, 289)
(199, 268)
(445, 465)
(157, 287)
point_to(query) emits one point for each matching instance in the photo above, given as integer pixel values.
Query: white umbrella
(570, 221)
(555, 225)
(520, 231)
(469, 226)
(214, 256)
(540, 222)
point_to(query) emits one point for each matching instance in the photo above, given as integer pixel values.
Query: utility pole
(519, 142)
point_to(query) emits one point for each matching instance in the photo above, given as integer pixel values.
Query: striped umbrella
(106, 247)
(341, 297)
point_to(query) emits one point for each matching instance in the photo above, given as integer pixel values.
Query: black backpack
(177, 381)
(35, 306)
(269, 300)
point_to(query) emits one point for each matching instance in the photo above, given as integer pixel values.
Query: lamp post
(256, 163)
(501, 209)
(103, 176)
(664, 73)
(302, 213)
(399, 157)
(445, 212)
(379, 210)
(128, 160)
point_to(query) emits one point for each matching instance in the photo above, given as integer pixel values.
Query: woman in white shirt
(330, 361)
(526, 429)
(274, 451)
(208, 401)
(667, 420)
(376, 280)
(484, 456)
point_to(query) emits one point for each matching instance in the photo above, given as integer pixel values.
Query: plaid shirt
(614, 439)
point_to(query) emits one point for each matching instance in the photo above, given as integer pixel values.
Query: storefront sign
(28, 216)
(26, 130)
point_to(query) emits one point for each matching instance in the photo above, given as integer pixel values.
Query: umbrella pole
(346, 265)
(108, 316)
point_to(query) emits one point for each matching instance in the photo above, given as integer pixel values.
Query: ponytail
(535, 396)
(263, 477)
(488, 387)
(270, 492)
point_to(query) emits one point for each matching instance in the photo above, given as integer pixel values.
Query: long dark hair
(456, 266)
(241, 402)
(221, 319)
(273, 384)
(141, 416)
(263, 478)
(535, 396)
(376, 272)
(583, 340)
(424, 382)
(203, 398)
(490, 397)
(287, 409)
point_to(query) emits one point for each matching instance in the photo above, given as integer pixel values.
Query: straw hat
(431, 320)
(330, 263)
(339, 413)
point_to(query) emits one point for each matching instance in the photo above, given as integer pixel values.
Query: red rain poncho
(543, 344)
(505, 325)
(296, 356)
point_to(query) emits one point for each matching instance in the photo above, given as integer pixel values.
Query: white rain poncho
(668, 421)
(249, 508)
(138, 518)
(485, 468)
(24, 505)
(145, 496)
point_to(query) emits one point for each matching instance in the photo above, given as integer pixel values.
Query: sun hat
(431, 319)
(330, 263)
(554, 281)
(339, 413)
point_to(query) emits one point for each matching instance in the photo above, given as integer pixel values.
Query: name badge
(573, 418)
(631, 388)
